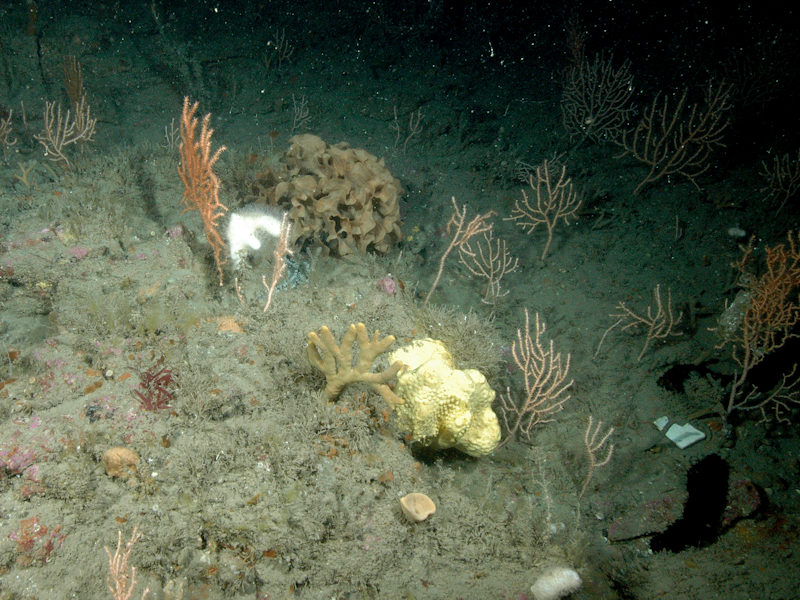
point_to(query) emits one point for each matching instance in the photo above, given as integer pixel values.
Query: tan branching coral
(341, 199)
(336, 361)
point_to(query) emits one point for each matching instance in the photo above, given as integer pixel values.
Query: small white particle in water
(736, 232)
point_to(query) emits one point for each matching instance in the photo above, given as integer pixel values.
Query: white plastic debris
(684, 436)
(661, 422)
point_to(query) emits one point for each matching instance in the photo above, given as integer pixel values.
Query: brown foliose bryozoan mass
(340, 199)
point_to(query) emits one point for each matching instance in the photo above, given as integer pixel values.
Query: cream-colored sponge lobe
(444, 407)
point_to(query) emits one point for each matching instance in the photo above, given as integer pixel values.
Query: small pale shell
(120, 462)
(417, 507)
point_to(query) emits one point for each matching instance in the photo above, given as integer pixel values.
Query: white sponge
(556, 582)
(248, 226)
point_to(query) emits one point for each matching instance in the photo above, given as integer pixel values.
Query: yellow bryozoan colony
(444, 407)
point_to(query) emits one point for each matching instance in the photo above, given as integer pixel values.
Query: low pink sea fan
(175, 231)
(388, 285)
(78, 252)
